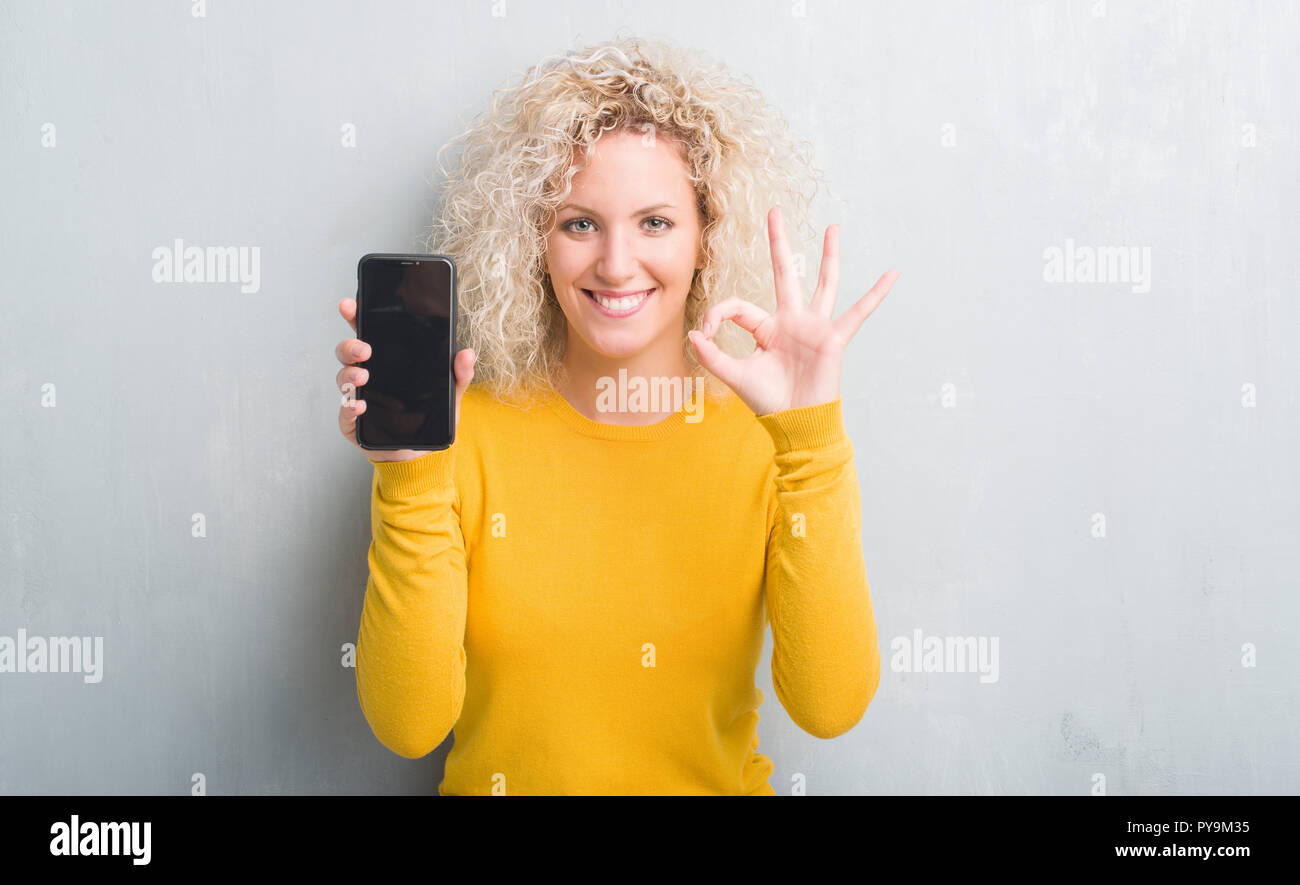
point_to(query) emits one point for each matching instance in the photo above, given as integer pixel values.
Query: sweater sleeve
(410, 661)
(825, 656)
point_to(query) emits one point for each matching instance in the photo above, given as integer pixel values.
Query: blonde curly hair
(517, 166)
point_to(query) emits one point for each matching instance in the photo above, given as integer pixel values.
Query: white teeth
(625, 303)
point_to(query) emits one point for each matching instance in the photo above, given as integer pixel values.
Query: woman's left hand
(799, 349)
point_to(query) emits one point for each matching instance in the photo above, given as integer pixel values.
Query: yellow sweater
(586, 602)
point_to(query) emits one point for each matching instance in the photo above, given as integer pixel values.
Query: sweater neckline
(600, 430)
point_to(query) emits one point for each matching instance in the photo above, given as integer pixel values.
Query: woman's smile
(618, 306)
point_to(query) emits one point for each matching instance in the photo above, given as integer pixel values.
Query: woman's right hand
(351, 351)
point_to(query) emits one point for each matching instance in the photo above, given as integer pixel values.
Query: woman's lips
(620, 312)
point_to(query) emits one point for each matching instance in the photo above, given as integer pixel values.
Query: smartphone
(406, 312)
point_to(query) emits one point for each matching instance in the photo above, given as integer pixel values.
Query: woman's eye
(663, 221)
(569, 225)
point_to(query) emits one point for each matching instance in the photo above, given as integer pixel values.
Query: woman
(580, 584)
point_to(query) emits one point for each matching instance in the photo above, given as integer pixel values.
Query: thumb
(712, 358)
(463, 366)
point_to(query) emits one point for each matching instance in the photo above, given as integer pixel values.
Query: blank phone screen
(405, 314)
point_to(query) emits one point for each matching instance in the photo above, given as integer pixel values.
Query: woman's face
(630, 224)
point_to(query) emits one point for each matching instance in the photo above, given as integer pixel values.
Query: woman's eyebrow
(594, 212)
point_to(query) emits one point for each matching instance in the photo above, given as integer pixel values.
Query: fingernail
(707, 328)
(356, 351)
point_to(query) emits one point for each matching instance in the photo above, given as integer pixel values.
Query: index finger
(348, 308)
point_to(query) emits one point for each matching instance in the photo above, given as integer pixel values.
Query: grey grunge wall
(1074, 417)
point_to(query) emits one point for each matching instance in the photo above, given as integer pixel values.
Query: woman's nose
(618, 260)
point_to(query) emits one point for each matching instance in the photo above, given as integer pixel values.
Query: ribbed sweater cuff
(406, 479)
(807, 427)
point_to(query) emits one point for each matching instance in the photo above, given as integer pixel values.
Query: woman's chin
(618, 345)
